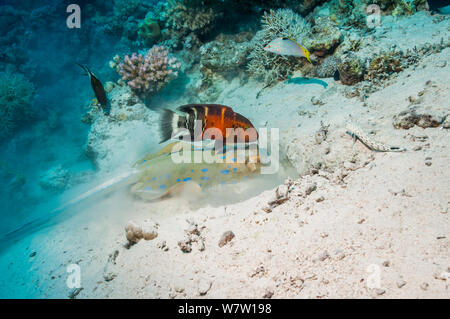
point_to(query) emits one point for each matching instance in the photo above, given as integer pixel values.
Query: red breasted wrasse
(210, 116)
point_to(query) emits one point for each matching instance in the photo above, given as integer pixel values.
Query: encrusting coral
(124, 18)
(148, 74)
(325, 36)
(351, 69)
(188, 16)
(268, 66)
(328, 67)
(16, 93)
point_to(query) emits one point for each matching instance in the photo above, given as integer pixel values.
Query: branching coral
(16, 93)
(280, 23)
(148, 74)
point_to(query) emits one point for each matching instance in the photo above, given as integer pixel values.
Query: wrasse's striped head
(208, 121)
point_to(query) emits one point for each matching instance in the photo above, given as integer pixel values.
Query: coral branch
(150, 73)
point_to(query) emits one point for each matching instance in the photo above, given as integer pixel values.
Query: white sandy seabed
(362, 225)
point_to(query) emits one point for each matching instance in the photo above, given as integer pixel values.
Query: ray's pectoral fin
(146, 193)
(188, 190)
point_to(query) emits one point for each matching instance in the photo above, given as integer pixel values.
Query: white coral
(280, 23)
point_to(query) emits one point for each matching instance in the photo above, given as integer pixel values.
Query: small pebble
(226, 238)
(320, 199)
(179, 289)
(204, 286)
(380, 292)
(401, 283)
(268, 294)
(109, 276)
(324, 256)
(424, 286)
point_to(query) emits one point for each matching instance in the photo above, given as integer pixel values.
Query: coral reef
(149, 31)
(16, 93)
(189, 16)
(351, 69)
(148, 74)
(226, 55)
(145, 230)
(124, 20)
(422, 118)
(324, 38)
(270, 67)
(383, 66)
(328, 67)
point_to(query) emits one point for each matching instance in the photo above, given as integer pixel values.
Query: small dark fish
(336, 75)
(99, 91)
(442, 6)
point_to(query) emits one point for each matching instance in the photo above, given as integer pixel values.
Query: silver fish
(287, 46)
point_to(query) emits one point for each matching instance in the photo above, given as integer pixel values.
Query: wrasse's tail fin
(36, 224)
(170, 124)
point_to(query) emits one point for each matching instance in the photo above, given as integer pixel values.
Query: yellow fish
(287, 46)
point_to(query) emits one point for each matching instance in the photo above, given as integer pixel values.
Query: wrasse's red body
(234, 127)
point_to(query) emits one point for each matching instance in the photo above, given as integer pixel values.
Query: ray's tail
(123, 179)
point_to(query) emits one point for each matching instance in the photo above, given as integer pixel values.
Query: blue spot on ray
(187, 179)
(162, 186)
(225, 171)
(205, 178)
(178, 180)
(204, 169)
(235, 169)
